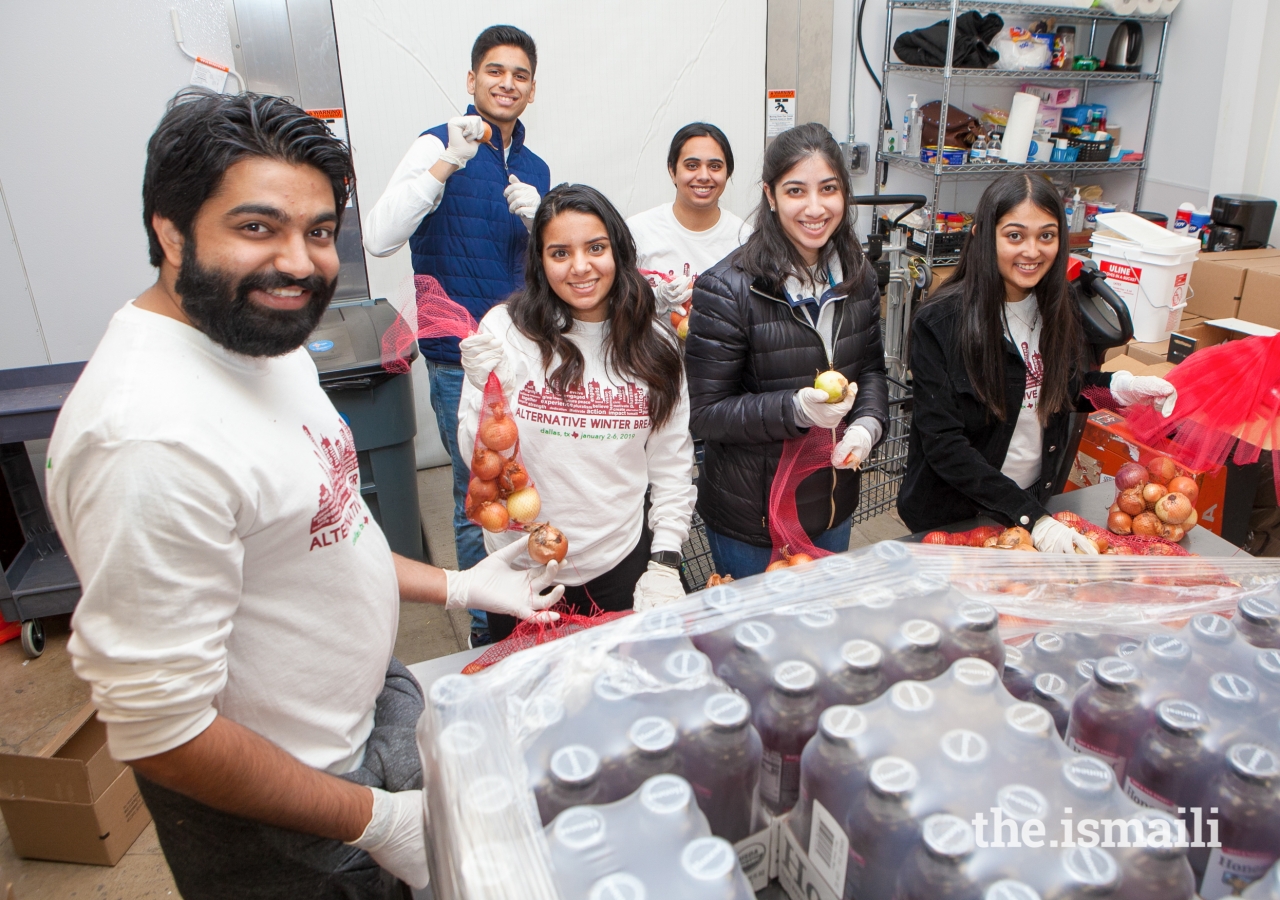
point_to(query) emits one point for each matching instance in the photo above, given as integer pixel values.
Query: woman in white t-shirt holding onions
(675, 241)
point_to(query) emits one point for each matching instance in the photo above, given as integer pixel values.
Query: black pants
(217, 856)
(612, 592)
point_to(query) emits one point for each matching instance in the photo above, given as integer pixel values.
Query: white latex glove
(522, 200)
(658, 586)
(396, 835)
(483, 353)
(813, 409)
(853, 448)
(1129, 389)
(465, 136)
(673, 294)
(494, 586)
(1051, 536)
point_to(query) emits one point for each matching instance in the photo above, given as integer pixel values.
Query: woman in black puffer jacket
(797, 299)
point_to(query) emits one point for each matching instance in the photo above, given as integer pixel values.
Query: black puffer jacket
(746, 356)
(957, 447)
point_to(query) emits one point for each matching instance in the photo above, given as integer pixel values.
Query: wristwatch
(668, 558)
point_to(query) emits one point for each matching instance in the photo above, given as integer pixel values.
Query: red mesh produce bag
(500, 496)
(436, 315)
(974, 537)
(801, 457)
(531, 633)
(1113, 543)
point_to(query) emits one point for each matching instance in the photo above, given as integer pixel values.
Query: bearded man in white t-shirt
(675, 241)
(239, 603)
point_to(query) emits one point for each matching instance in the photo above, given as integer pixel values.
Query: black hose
(888, 116)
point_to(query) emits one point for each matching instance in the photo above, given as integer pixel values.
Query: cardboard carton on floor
(1260, 300)
(72, 802)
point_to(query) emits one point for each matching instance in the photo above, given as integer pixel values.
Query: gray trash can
(347, 349)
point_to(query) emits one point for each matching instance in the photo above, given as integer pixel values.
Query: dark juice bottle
(1158, 870)
(574, 780)
(1258, 619)
(976, 634)
(1242, 799)
(722, 763)
(935, 870)
(1054, 694)
(1086, 873)
(1232, 705)
(652, 751)
(1210, 635)
(1026, 745)
(1170, 762)
(859, 678)
(786, 719)
(918, 656)
(1107, 717)
(1017, 677)
(1163, 655)
(881, 829)
(832, 771)
(745, 666)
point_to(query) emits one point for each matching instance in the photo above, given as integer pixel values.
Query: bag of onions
(501, 496)
(1154, 500)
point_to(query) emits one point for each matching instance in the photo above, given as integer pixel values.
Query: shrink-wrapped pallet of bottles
(858, 727)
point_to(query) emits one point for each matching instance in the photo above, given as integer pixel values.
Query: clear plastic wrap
(487, 739)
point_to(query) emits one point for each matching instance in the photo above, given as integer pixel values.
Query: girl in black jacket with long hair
(998, 362)
(798, 298)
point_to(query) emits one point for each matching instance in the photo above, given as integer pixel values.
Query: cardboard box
(797, 874)
(1185, 341)
(757, 852)
(1113, 352)
(1052, 95)
(1260, 300)
(1148, 353)
(72, 802)
(1129, 364)
(1218, 280)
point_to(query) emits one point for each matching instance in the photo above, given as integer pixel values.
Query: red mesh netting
(1228, 397)
(501, 495)
(437, 316)
(1111, 544)
(531, 633)
(801, 457)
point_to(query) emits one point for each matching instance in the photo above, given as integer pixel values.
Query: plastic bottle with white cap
(881, 829)
(723, 764)
(832, 772)
(786, 720)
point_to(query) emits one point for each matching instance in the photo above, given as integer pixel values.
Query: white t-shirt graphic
(665, 249)
(1024, 324)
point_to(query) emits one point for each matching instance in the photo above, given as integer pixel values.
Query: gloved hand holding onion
(500, 495)
(1154, 500)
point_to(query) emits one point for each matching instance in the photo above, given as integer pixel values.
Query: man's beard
(221, 308)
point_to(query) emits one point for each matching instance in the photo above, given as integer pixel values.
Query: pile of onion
(1154, 500)
(788, 560)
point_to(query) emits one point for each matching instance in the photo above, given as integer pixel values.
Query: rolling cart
(38, 578)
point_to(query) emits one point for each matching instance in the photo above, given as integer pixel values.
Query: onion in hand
(547, 543)
(833, 384)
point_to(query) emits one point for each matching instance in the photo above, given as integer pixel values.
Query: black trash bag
(928, 46)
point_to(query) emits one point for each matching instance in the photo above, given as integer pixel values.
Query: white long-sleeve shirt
(210, 503)
(412, 194)
(592, 455)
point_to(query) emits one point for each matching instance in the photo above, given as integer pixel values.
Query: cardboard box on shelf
(1218, 280)
(71, 801)
(1260, 300)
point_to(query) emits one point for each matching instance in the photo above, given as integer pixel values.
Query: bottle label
(1111, 759)
(771, 776)
(1230, 871)
(1144, 796)
(828, 848)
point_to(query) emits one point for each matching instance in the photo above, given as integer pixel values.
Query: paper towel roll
(1168, 6)
(1023, 116)
(1149, 7)
(1120, 7)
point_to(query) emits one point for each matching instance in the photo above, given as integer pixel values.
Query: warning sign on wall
(780, 114)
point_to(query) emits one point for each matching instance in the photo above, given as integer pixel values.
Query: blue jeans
(741, 560)
(468, 539)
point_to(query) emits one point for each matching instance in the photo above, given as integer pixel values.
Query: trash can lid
(347, 344)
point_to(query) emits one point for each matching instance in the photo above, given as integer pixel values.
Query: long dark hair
(768, 255)
(634, 348)
(978, 283)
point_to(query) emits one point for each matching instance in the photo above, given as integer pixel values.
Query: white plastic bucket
(1148, 267)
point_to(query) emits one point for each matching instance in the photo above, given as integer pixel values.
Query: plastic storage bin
(1148, 266)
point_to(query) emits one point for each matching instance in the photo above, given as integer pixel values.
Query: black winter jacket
(956, 447)
(746, 355)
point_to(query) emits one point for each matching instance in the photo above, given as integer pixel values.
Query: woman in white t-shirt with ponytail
(597, 389)
(678, 240)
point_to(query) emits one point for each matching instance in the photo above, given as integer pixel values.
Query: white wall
(85, 83)
(613, 85)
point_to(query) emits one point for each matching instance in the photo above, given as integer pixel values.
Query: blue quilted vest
(472, 243)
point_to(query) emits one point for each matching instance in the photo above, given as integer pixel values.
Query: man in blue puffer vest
(464, 206)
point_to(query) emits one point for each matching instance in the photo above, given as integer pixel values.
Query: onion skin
(799, 559)
(482, 491)
(1070, 519)
(485, 464)
(1173, 533)
(1152, 493)
(1120, 522)
(1191, 520)
(991, 542)
(547, 543)
(514, 477)
(491, 516)
(1131, 475)
(1162, 470)
(499, 433)
(524, 505)
(1147, 524)
(716, 579)
(1131, 502)
(1173, 508)
(833, 384)
(935, 537)
(1010, 538)
(776, 565)
(1186, 486)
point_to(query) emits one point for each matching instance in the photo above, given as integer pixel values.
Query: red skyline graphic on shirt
(1035, 376)
(340, 491)
(588, 400)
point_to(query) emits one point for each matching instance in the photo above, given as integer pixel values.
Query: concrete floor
(37, 697)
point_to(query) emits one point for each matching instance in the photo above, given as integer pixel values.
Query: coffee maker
(1239, 222)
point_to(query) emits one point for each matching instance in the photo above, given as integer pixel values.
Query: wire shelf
(1022, 9)
(1046, 75)
(980, 170)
